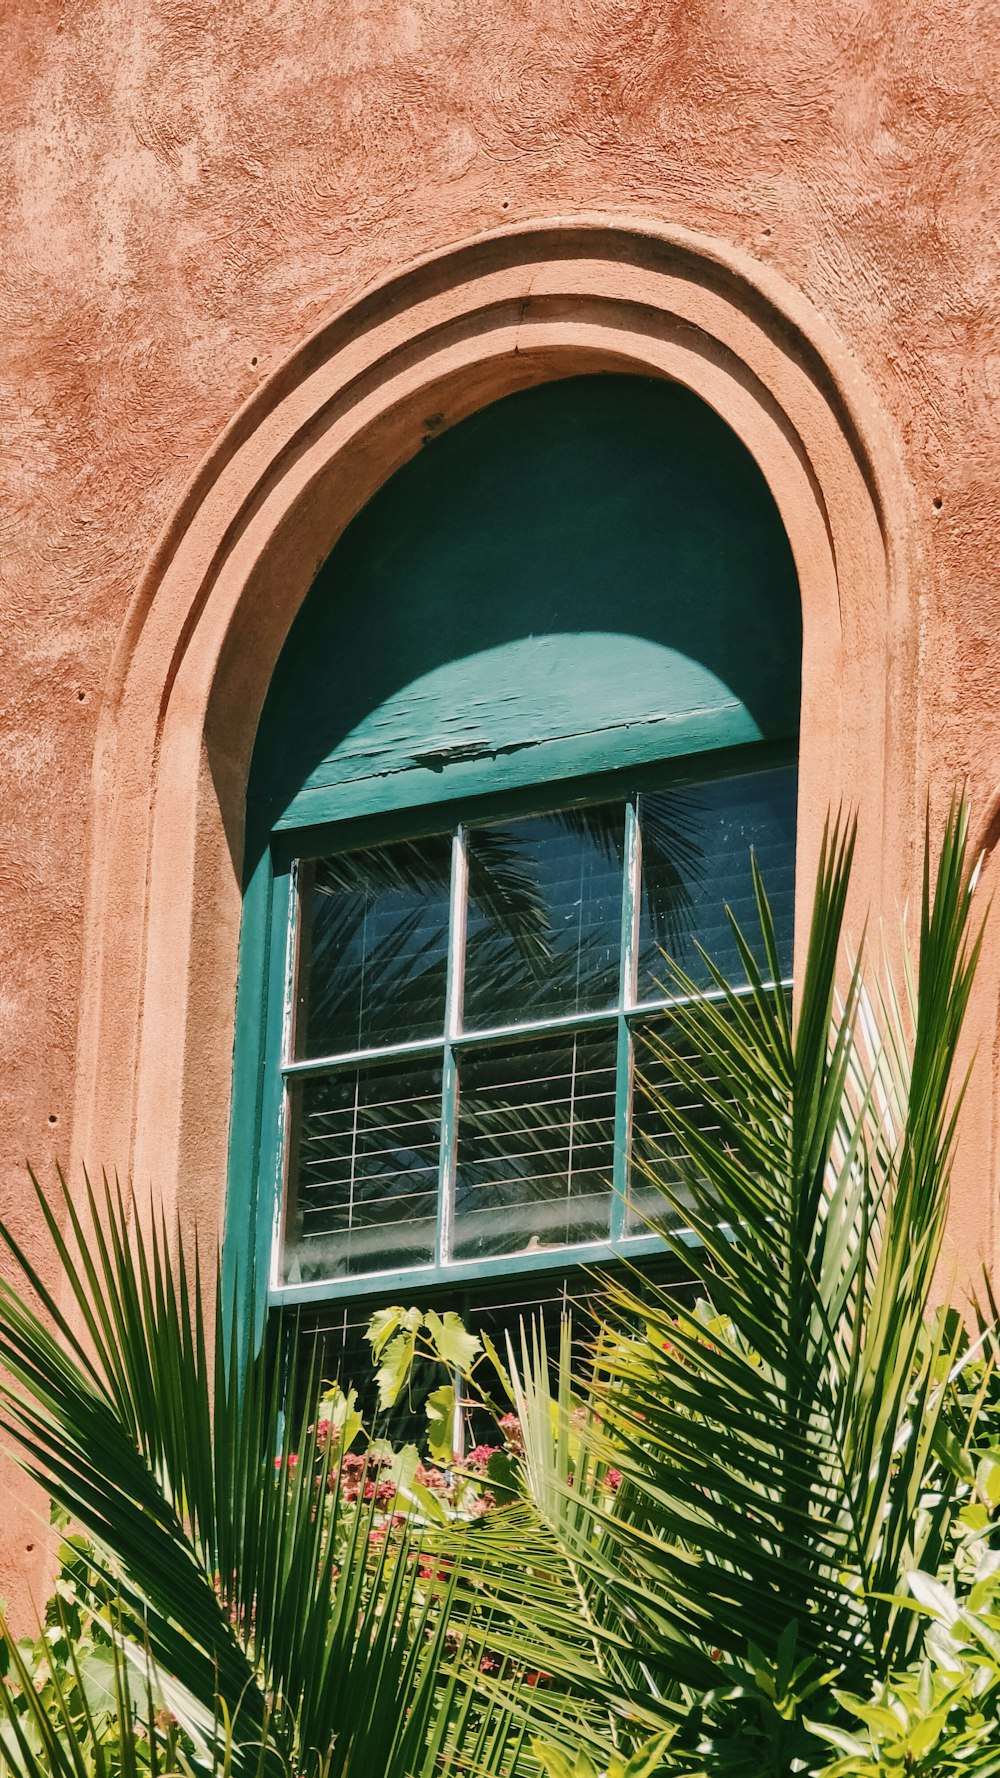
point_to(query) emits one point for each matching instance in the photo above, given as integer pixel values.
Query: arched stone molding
(419, 351)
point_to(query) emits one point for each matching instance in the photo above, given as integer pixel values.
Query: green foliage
(809, 1435)
(758, 1538)
(942, 1714)
(275, 1611)
(398, 1336)
(646, 1762)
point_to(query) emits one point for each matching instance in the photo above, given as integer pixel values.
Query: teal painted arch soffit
(587, 574)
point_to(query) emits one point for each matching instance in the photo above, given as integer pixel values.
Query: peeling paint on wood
(588, 574)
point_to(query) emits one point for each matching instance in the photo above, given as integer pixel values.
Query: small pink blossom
(479, 1456)
(510, 1426)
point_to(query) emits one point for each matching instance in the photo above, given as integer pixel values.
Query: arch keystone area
(413, 354)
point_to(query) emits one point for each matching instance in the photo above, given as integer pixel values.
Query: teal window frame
(581, 588)
(316, 825)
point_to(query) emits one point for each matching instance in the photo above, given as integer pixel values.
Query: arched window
(538, 705)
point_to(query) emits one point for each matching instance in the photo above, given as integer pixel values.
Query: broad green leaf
(925, 1735)
(881, 1720)
(385, 1322)
(556, 1764)
(452, 1342)
(345, 1421)
(403, 1466)
(503, 1475)
(988, 1481)
(431, 1506)
(934, 1596)
(440, 1409)
(97, 1675)
(394, 1370)
(849, 1744)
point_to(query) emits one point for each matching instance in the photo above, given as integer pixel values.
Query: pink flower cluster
(435, 1479)
(478, 1458)
(510, 1426)
(359, 1479)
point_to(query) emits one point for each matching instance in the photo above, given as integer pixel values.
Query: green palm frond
(252, 1582)
(790, 1448)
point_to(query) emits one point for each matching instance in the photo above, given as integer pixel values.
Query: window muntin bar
(474, 1039)
(626, 995)
(458, 924)
(464, 1040)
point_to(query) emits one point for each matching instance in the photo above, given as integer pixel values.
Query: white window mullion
(457, 920)
(631, 906)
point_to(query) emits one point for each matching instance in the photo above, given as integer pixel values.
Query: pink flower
(510, 1426)
(613, 1480)
(430, 1478)
(479, 1456)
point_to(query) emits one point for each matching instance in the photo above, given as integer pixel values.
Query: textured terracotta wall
(189, 189)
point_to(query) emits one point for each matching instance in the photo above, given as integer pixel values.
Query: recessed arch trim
(417, 352)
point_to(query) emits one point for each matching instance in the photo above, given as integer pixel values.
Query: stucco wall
(189, 190)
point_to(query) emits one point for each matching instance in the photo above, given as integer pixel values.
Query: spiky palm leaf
(789, 1452)
(290, 1642)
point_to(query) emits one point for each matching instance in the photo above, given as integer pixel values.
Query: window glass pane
(655, 1154)
(544, 925)
(374, 951)
(364, 1185)
(696, 859)
(536, 1128)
